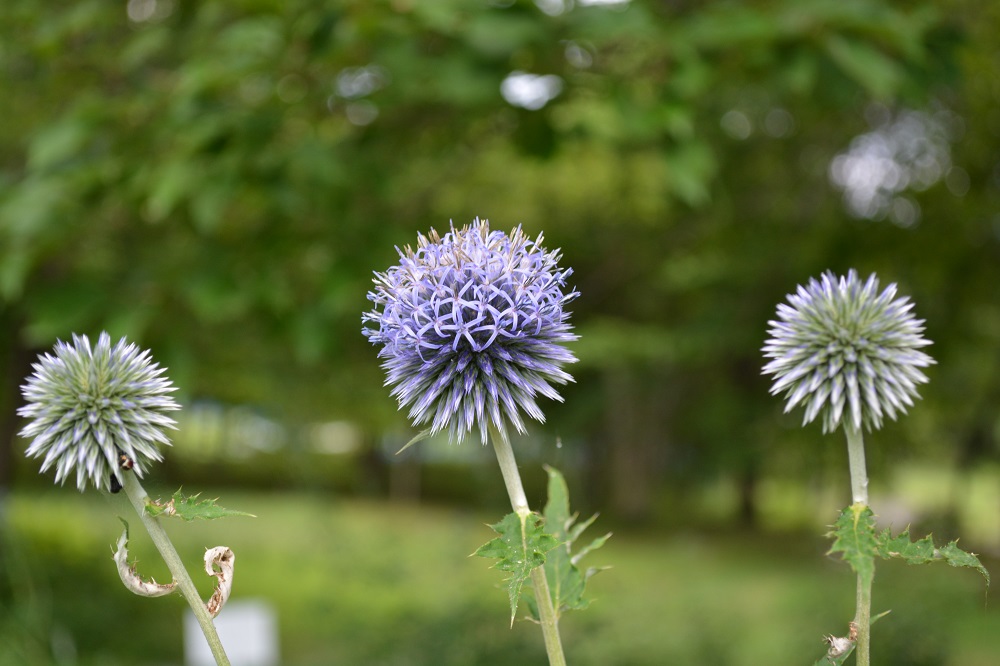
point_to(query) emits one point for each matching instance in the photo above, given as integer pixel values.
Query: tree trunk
(748, 494)
(637, 409)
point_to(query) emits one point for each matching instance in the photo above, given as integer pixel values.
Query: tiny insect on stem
(125, 463)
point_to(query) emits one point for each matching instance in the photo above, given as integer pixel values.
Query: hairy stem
(137, 496)
(519, 502)
(859, 490)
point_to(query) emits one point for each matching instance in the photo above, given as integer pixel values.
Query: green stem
(859, 490)
(856, 461)
(519, 502)
(863, 621)
(137, 496)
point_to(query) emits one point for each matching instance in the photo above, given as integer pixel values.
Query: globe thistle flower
(842, 349)
(472, 327)
(90, 405)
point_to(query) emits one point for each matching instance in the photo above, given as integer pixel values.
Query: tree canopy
(218, 180)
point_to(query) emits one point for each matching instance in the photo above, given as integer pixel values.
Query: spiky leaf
(923, 551)
(900, 546)
(567, 582)
(859, 544)
(957, 557)
(520, 547)
(190, 508)
(854, 538)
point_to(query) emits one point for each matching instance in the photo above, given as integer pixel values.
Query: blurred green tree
(218, 180)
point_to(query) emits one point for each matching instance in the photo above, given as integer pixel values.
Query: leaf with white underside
(130, 577)
(521, 547)
(220, 562)
(841, 647)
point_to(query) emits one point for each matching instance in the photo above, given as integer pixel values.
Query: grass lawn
(357, 582)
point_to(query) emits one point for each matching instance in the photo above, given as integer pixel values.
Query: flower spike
(846, 352)
(93, 407)
(472, 327)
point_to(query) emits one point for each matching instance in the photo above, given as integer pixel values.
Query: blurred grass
(358, 582)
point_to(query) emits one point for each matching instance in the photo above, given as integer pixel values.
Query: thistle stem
(856, 461)
(859, 490)
(137, 496)
(519, 502)
(863, 621)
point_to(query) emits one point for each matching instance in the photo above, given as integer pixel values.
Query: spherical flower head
(472, 327)
(89, 405)
(846, 351)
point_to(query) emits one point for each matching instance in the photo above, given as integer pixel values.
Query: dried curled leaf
(131, 579)
(840, 646)
(220, 562)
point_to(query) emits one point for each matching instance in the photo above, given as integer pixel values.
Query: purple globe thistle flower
(838, 344)
(472, 327)
(90, 405)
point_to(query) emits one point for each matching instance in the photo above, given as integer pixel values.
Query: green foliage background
(217, 180)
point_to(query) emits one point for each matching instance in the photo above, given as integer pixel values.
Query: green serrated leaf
(190, 508)
(913, 552)
(854, 537)
(957, 557)
(578, 529)
(923, 551)
(593, 545)
(521, 547)
(567, 582)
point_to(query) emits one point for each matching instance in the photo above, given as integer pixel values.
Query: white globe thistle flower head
(472, 327)
(846, 352)
(88, 405)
